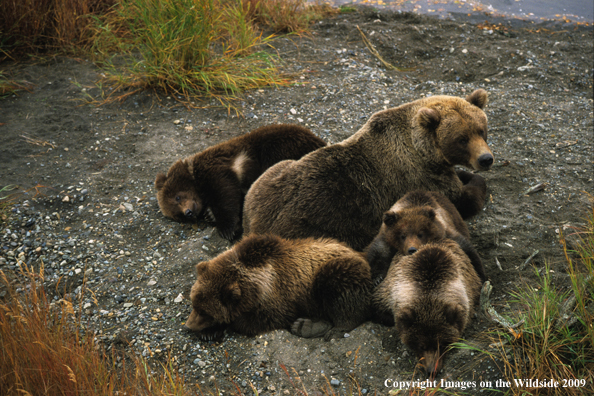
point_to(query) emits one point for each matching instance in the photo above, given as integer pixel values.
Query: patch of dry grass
(46, 352)
(288, 16)
(34, 25)
(189, 49)
(556, 340)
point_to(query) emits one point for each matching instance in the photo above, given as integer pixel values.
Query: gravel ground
(89, 210)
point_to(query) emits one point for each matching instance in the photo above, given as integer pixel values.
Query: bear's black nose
(485, 161)
(189, 213)
(411, 250)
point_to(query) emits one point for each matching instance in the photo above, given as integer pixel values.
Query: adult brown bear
(341, 191)
(213, 182)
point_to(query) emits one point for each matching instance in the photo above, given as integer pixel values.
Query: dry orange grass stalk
(32, 25)
(45, 352)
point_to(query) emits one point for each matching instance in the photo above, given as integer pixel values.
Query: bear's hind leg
(308, 328)
(342, 292)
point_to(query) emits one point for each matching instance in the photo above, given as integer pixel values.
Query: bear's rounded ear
(255, 250)
(160, 181)
(429, 212)
(390, 218)
(478, 98)
(428, 118)
(201, 268)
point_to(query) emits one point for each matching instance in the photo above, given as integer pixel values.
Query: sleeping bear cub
(213, 182)
(264, 282)
(430, 296)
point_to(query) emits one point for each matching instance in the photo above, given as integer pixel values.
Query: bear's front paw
(227, 233)
(211, 334)
(464, 176)
(209, 216)
(307, 328)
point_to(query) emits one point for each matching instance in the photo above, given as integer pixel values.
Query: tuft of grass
(556, 340)
(288, 16)
(38, 25)
(191, 49)
(9, 87)
(45, 352)
(347, 9)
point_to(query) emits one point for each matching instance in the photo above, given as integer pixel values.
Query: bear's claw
(228, 234)
(209, 216)
(211, 335)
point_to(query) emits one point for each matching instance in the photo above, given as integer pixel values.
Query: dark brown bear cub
(265, 283)
(213, 182)
(432, 295)
(416, 219)
(342, 191)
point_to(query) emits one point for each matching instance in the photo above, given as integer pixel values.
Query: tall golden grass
(46, 352)
(34, 25)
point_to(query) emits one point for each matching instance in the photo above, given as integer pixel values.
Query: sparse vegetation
(556, 340)
(187, 49)
(6, 200)
(289, 16)
(46, 352)
(29, 26)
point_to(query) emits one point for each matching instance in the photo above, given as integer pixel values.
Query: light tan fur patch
(457, 289)
(264, 278)
(403, 293)
(443, 217)
(238, 165)
(189, 161)
(398, 206)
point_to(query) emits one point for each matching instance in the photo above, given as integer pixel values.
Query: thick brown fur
(414, 220)
(265, 283)
(432, 295)
(213, 182)
(341, 191)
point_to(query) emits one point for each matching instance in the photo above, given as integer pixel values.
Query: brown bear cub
(213, 182)
(432, 295)
(265, 283)
(342, 191)
(416, 219)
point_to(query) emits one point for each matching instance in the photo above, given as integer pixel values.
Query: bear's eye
(420, 235)
(463, 141)
(178, 198)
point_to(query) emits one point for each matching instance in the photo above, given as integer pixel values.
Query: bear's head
(408, 229)
(458, 128)
(216, 295)
(176, 193)
(432, 311)
(428, 327)
(233, 283)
